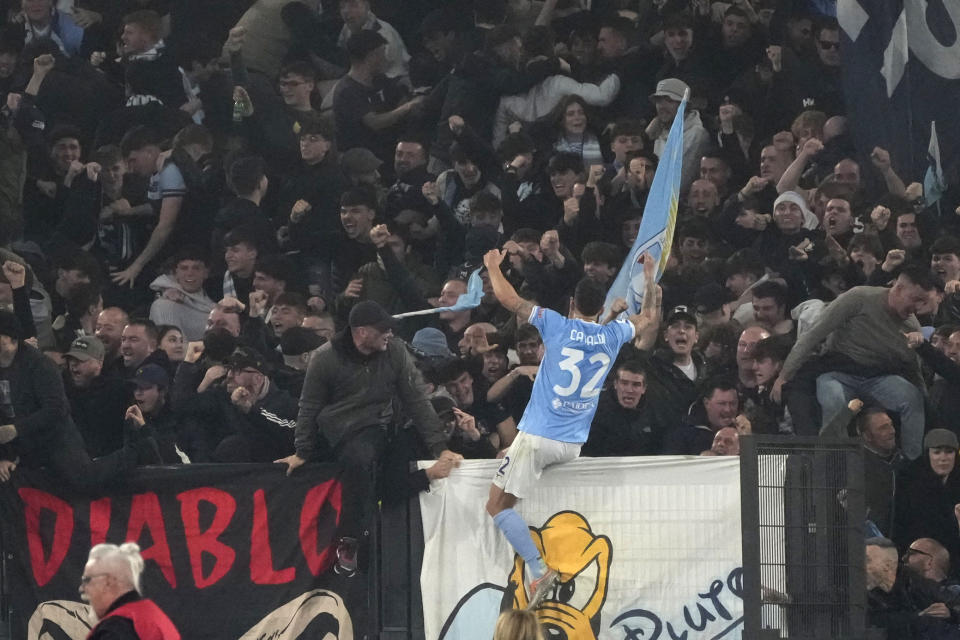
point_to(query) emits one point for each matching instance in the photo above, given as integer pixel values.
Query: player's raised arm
(506, 294)
(648, 320)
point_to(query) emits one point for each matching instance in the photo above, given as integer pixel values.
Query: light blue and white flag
(658, 223)
(469, 300)
(934, 184)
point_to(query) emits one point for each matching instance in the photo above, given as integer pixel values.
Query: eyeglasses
(829, 45)
(290, 84)
(85, 580)
(912, 551)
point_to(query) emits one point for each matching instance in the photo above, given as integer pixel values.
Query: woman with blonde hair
(518, 624)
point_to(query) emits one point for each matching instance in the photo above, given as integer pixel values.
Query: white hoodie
(190, 314)
(543, 98)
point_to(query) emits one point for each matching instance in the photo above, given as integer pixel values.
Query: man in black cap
(712, 303)
(360, 166)
(248, 419)
(347, 404)
(152, 411)
(675, 370)
(35, 425)
(297, 345)
(97, 401)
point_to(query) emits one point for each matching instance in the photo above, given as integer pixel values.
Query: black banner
(901, 68)
(231, 551)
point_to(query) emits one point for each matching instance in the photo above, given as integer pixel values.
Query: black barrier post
(6, 604)
(802, 517)
(401, 552)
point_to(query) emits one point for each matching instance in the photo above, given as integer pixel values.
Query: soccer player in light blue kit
(579, 355)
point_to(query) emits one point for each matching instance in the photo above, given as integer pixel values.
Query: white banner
(648, 548)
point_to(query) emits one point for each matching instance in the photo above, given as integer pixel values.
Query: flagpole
(422, 312)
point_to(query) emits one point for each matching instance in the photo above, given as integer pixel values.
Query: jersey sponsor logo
(558, 404)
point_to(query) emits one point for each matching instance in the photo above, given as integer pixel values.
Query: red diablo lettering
(48, 548)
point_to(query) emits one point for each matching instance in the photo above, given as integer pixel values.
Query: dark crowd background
(194, 196)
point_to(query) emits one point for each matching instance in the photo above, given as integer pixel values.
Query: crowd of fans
(195, 195)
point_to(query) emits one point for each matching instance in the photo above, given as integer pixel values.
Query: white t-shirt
(689, 370)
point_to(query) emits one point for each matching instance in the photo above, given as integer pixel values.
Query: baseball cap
(151, 375)
(370, 314)
(359, 160)
(246, 358)
(940, 438)
(431, 343)
(670, 88)
(711, 297)
(86, 348)
(298, 340)
(681, 312)
(735, 97)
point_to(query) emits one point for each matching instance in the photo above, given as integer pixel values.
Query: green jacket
(345, 391)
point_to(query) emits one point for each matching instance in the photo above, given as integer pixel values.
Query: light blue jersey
(578, 358)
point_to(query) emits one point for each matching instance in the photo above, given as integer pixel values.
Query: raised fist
(379, 235)
(880, 216)
(550, 243)
(299, 210)
(429, 191)
(43, 64)
(811, 147)
(881, 159)
(775, 56)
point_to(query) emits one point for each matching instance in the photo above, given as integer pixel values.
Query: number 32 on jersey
(571, 364)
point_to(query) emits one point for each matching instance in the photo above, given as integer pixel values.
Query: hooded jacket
(345, 391)
(190, 314)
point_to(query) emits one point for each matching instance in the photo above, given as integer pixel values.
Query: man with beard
(109, 330)
(410, 169)
(703, 199)
(237, 413)
(97, 401)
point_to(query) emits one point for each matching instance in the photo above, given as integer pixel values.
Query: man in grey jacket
(865, 353)
(346, 405)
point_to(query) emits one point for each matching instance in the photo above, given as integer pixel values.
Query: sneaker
(540, 587)
(346, 564)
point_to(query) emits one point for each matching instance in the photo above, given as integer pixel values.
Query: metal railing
(803, 517)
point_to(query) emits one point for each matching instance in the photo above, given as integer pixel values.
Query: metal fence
(5, 605)
(802, 509)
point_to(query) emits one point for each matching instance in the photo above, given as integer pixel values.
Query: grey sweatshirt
(860, 326)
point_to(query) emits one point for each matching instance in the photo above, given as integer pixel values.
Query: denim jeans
(893, 393)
